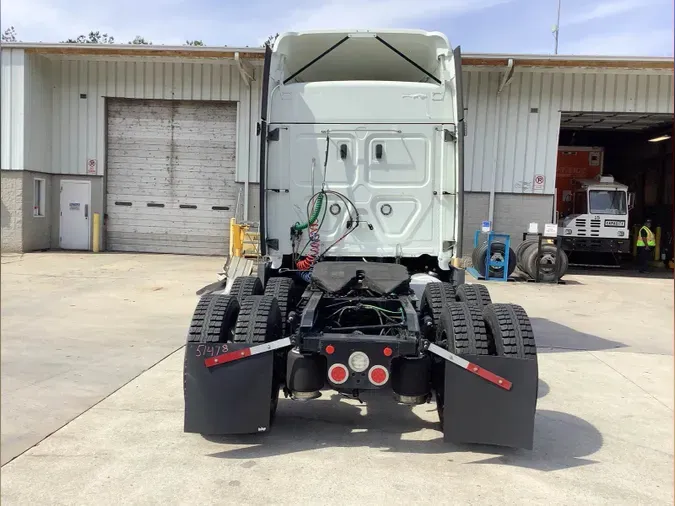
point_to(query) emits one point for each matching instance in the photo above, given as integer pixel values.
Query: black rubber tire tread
(474, 294)
(547, 274)
(245, 286)
(510, 331)
(520, 250)
(282, 289)
(213, 319)
(478, 259)
(435, 299)
(259, 320)
(464, 328)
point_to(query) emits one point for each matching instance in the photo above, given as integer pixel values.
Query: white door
(75, 215)
(171, 176)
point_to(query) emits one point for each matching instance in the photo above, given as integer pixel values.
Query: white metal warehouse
(162, 141)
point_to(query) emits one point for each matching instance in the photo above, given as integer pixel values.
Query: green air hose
(315, 214)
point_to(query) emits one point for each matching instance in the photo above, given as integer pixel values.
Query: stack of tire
(497, 252)
(551, 269)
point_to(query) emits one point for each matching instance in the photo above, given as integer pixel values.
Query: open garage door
(170, 176)
(631, 150)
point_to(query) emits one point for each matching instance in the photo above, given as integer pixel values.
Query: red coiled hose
(314, 248)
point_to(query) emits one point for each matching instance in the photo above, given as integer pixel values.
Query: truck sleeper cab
(376, 121)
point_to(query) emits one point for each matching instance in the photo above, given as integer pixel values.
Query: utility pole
(556, 29)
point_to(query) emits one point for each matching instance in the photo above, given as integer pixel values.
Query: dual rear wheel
(248, 314)
(471, 325)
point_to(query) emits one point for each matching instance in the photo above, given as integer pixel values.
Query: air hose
(314, 216)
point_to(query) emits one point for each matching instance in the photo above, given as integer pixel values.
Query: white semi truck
(361, 198)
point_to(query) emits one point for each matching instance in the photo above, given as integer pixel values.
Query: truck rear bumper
(596, 244)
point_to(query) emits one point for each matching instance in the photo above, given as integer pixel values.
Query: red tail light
(378, 375)
(338, 374)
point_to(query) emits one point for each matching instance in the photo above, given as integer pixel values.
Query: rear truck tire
(474, 294)
(461, 330)
(509, 331)
(498, 249)
(245, 286)
(435, 299)
(260, 322)
(283, 290)
(214, 319)
(547, 271)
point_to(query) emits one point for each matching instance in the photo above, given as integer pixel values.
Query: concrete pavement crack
(630, 381)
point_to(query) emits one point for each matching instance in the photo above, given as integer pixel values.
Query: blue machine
(492, 237)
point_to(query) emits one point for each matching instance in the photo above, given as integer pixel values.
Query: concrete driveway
(603, 432)
(76, 327)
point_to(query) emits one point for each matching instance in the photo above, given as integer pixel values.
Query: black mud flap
(232, 398)
(477, 411)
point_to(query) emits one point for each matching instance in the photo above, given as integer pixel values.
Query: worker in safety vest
(646, 242)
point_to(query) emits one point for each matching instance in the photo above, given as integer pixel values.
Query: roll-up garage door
(170, 176)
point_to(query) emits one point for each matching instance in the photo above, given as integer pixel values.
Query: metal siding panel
(599, 92)
(177, 81)
(199, 139)
(188, 86)
(609, 102)
(631, 93)
(589, 92)
(653, 94)
(235, 83)
(12, 108)
(206, 82)
(129, 80)
(566, 91)
(519, 183)
(215, 82)
(577, 92)
(92, 114)
(621, 94)
(471, 83)
(197, 70)
(254, 152)
(532, 135)
(508, 125)
(80, 166)
(641, 93)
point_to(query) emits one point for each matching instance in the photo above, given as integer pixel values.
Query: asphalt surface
(603, 430)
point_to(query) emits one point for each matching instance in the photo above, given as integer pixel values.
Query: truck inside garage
(637, 151)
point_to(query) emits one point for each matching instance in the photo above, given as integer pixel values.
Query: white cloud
(604, 10)
(654, 43)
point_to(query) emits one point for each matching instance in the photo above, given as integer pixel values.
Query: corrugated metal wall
(528, 120)
(75, 111)
(38, 132)
(12, 93)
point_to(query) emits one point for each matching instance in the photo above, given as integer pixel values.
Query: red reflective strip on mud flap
(231, 356)
(472, 368)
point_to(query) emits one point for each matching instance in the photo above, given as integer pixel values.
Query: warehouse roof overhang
(544, 62)
(476, 60)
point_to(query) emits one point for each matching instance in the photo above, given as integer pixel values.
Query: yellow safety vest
(651, 240)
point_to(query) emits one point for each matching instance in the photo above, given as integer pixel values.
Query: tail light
(378, 375)
(338, 374)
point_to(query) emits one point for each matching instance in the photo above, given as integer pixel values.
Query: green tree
(92, 38)
(194, 43)
(271, 40)
(140, 40)
(9, 35)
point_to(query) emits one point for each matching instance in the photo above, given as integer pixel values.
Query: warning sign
(539, 181)
(91, 167)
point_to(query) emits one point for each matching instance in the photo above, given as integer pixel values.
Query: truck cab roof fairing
(364, 55)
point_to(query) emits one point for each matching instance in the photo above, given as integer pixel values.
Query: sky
(591, 27)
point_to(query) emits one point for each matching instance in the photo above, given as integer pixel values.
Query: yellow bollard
(97, 233)
(657, 249)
